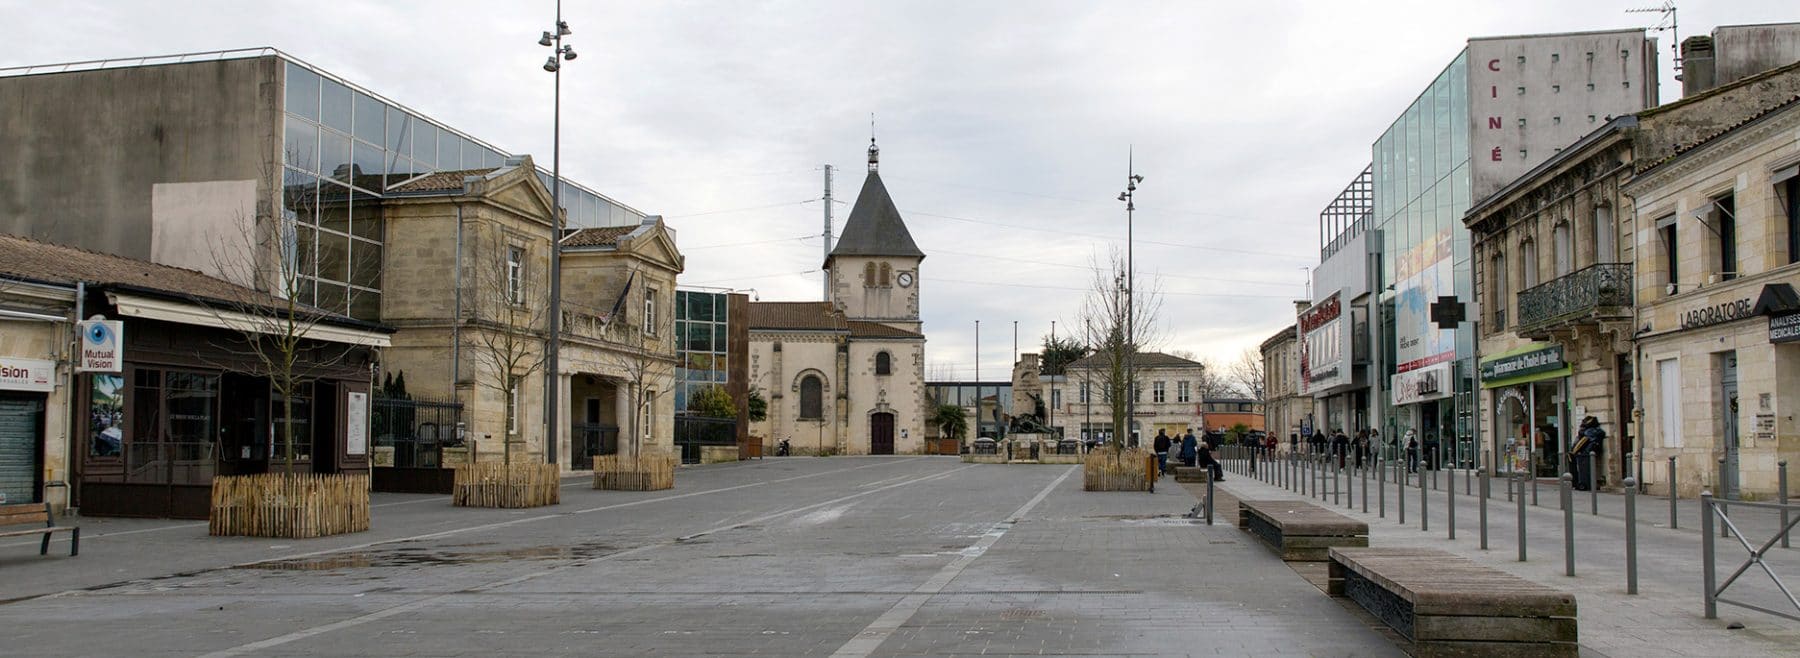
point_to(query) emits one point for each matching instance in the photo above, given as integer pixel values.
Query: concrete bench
(1298, 530)
(1197, 474)
(1447, 605)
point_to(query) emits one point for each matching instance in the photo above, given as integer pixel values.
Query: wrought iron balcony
(1597, 292)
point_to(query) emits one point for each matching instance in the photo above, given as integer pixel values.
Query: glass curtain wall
(342, 149)
(1422, 178)
(701, 332)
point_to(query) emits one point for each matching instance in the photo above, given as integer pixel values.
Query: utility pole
(827, 234)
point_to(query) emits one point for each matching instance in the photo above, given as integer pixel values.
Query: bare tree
(507, 304)
(273, 323)
(1212, 383)
(1117, 328)
(1247, 373)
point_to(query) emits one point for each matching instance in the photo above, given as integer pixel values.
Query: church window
(869, 275)
(887, 275)
(883, 363)
(812, 394)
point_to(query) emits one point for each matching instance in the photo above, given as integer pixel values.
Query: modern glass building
(179, 129)
(1500, 107)
(702, 342)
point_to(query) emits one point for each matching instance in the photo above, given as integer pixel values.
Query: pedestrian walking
(1162, 451)
(1294, 443)
(1340, 446)
(1189, 446)
(1431, 451)
(1360, 445)
(1412, 451)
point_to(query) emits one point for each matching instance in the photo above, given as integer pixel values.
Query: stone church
(847, 375)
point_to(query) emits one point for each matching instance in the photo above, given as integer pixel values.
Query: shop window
(1562, 242)
(883, 363)
(1724, 212)
(1668, 388)
(293, 431)
(812, 398)
(106, 416)
(1665, 228)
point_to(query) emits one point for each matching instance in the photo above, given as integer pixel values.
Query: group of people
(1194, 452)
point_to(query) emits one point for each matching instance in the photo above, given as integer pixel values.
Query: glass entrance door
(1728, 388)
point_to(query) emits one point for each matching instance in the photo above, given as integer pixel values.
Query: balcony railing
(1591, 293)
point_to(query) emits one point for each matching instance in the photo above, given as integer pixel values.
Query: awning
(150, 308)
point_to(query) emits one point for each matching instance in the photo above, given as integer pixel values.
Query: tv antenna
(1665, 22)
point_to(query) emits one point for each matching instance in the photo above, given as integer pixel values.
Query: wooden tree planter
(1106, 470)
(289, 505)
(644, 473)
(492, 484)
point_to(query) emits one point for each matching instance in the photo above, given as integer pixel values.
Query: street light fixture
(553, 367)
(1128, 196)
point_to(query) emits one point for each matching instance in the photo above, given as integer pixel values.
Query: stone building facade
(1169, 398)
(1285, 408)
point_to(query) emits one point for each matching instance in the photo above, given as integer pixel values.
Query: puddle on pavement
(1171, 520)
(419, 556)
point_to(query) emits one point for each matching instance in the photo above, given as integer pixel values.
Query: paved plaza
(853, 556)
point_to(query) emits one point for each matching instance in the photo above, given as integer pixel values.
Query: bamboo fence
(495, 484)
(1110, 470)
(289, 505)
(644, 473)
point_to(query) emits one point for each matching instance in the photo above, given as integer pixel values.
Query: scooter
(781, 449)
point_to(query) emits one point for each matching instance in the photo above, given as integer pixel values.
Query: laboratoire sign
(1520, 365)
(1712, 314)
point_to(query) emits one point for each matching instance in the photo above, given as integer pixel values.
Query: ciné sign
(1429, 383)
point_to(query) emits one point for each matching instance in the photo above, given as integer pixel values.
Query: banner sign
(27, 375)
(1428, 383)
(1519, 365)
(102, 346)
(1323, 335)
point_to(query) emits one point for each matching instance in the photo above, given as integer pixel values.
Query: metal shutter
(20, 421)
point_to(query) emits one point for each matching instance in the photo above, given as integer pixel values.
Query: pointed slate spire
(875, 227)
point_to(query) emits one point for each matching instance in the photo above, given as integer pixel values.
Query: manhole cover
(1021, 613)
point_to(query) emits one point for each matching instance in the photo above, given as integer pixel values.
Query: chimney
(1300, 305)
(1697, 69)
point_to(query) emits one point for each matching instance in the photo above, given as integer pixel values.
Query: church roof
(796, 316)
(866, 329)
(875, 227)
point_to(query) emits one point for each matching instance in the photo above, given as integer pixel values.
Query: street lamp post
(552, 371)
(1128, 196)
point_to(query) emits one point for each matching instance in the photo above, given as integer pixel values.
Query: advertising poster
(1424, 273)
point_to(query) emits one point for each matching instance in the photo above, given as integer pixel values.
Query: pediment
(520, 191)
(655, 246)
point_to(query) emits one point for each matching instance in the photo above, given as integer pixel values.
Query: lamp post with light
(1128, 196)
(558, 54)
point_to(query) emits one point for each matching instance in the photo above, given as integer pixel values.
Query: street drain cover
(1021, 613)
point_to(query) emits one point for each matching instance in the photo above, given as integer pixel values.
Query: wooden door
(881, 434)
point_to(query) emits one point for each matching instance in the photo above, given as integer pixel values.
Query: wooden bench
(1447, 605)
(1298, 530)
(21, 520)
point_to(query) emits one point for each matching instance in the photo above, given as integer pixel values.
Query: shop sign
(1784, 328)
(27, 375)
(102, 346)
(1428, 383)
(1712, 314)
(1519, 365)
(1323, 336)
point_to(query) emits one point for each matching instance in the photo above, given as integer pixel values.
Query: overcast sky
(1004, 126)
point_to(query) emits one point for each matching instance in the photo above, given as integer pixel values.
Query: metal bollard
(1594, 483)
(1531, 473)
(1450, 503)
(1484, 503)
(1209, 500)
(1335, 471)
(1380, 487)
(1567, 484)
(1424, 501)
(1674, 494)
(1781, 496)
(1631, 535)
(1519, 482)
(1707, 576)
(1400, 495)
(1365, 484)
(1724, 508)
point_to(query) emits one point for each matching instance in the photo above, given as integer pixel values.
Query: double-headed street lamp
(552, 370)
(1131, 182)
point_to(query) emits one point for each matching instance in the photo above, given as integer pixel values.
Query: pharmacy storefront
(1527, 391)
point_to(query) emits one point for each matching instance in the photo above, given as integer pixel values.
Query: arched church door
(881, 434)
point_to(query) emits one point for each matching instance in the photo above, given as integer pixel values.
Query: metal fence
(588, 440)
(1711, 510)
(693, 432)
(416, 429)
